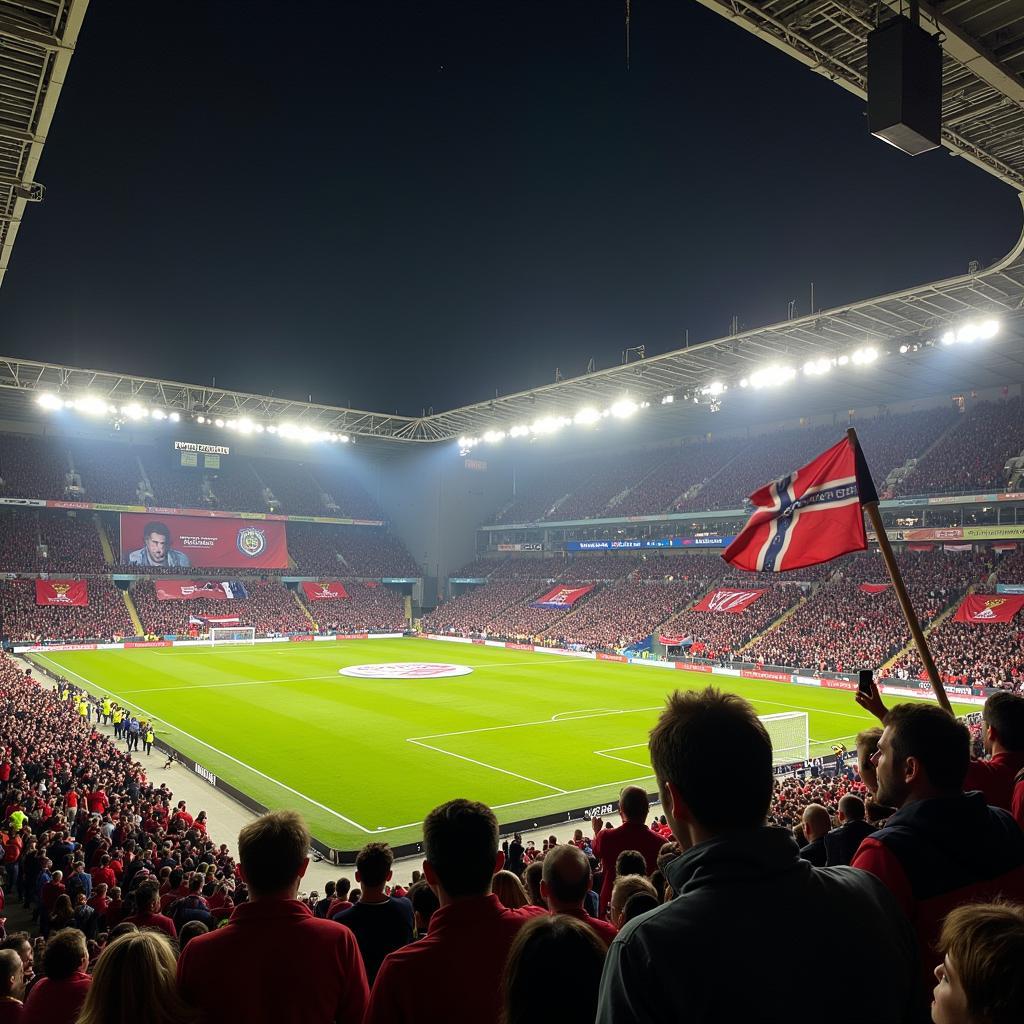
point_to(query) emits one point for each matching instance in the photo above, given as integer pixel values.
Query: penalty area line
(210, 746)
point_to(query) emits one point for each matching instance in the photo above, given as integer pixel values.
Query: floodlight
(668, 399)
(816, 367)
(519, 430)
(948, 338)
(200, 419)
(842, 361)
(967, 333)
(624, 408)
(548, 424)
(865, 356)
(988, 329)
(586, 416)
(744, 383)
(48, 400)
(344, 438)
(245, 425)
(92, 405)
(271, 429)
(715, 388)
(772, 376)
(904, 349)
(219, 423)
(174, 417)
(158, 414)
(133, 411)
(494, 436)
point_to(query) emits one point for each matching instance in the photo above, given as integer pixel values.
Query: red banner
(984, 608)
(601, 656)
(214, 620)
(324, 591)
(731, 601)
(674, 639)
(692, 666)
(62, 593)
(873, 588)
(561, 597)
(761, 673)
(192, 590)
(303, 638)
(148, 643)
(178, 542)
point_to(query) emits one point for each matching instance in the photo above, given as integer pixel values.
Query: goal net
(790, 736)
(222, 635)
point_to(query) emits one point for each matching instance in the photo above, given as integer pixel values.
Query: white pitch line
(217, 750)
(563, 716)
(484, 764)
(542, 721)
(217, 686)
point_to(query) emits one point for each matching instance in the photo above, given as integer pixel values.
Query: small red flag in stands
(809, 517)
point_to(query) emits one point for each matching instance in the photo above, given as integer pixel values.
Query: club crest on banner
(251, 542)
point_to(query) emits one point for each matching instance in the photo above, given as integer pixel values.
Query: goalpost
(222, 635)
(790, 736)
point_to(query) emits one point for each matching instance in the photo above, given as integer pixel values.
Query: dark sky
(400, 205)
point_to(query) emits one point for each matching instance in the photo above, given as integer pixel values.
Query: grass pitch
(526, 733)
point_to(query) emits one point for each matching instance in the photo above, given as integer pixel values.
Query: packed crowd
(470, 613)
(32, 467)
(269, 606)
(109, 471)
(971, 457)
(369, 606)
(70, 540)
(332, 551)
(844, 626)
(105, 617)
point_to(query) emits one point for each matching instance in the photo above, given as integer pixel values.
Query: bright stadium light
(174, 417)
(258, 427)
(200, 419)
(744, 383)
(158, 414)
(714, 389)
(519, 430)
(271, 429)
(865, 356)
(817, 367)
(48, 400)
(245, 425)
(843, 361)
(988, 329)
(218, 423)
(586, 416)
(772, 376)
(549, 424)
(93, 405)
(133, 411)
(494, 436)
(668, 399)
(624, 408)
(904, 349)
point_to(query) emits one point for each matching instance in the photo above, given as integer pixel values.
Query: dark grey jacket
(755, 933)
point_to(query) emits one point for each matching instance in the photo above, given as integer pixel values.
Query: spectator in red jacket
(565, 882)
(1003, 736)
(147, 899)
(943, 847)
(57, 998)
(297, 969)
(453, 974)
(632, 834)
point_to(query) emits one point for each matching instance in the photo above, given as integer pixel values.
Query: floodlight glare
(817, 367)
(668, 399)
(715, 388)
(948, 338)
(174, 417)
(988, 329)
(158, 414)
(904, 349)
(92, 405)
(772, 376)
(494, 436)
(586, 416)
(200, 419)
(624, 408)
(218, 423)
(48, 400)
(865, 356)
(519, 430)
(245, 425)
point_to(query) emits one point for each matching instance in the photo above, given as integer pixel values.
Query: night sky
(404, 205)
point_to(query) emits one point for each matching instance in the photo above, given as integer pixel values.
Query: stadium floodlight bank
(221, 636)
(790, 735)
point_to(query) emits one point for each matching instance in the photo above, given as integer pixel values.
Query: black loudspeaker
(905, 86)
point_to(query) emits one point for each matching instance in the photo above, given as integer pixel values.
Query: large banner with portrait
(164, 541)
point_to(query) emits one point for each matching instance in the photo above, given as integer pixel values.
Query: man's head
(624, 887)
(460, 843)
(12, 974)
(147, 897)
(1004, 723)
(566, 877)
(923, 752)
(851, 808)
(630, 862)
(816, 822)
(867, 744)
(156, 538)
(373, 866)
(65, 953)
(633, 804)
(702, 792)
(273, 854)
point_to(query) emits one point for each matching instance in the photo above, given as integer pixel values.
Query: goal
(222, 635)
(790, 736)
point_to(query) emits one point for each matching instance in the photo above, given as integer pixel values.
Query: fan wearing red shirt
(564, 885)
(1003, 737)
(147, 899)
(12, 987)
(454, 973)
(297, 968)
(104, 875)
(58, 997)
(632, 834)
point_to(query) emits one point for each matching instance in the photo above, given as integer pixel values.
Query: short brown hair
(715, 750)
(272, 850)
(373, 862)
(633, 803)
(460, 841)
(867, 744)
(935, 738)
(64, 953)
(985, 943)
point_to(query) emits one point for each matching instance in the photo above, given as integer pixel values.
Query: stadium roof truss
(37, 40)
(920, 313)
(982, 70)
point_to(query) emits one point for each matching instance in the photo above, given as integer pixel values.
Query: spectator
(637, 904)
(632, 834)
(980, 979)
(943, 847)
(842, 842)
(531, 880)
(189, 930)
(453, 973)
(320, 908)
(553, 973)
(743, 895)
(424, 903)
(380, 923)
(57, 997)
(12, 987)
(564, 885)
(147, 899)
(1003, 737)
(134, 981)
(274, 942)
(510, 890)
(624, 889)
(817, 823)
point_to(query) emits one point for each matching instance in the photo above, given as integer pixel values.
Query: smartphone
(865, 680)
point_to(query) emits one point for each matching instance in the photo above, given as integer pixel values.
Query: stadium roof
(982, 71)
(37, 40)
(914, 315)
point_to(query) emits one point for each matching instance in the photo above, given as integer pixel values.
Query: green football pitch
(528, 734)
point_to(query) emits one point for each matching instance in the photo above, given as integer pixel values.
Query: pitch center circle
(405, 670)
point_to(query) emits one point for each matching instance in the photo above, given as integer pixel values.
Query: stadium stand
(105, 616)
(32, 467)
(109, 471)
(369, 606)
(336, 482)
(295, 492)
(71, 542)
(332, 551)
(471, 613)
(269, 607)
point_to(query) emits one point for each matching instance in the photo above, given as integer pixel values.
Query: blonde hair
(624, 887)
(510, 891)
(135, 980)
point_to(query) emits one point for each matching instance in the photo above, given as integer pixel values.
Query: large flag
(561, 597)
(62, 593)
(811, 516)
(983, 608)
(213, 620)
(732, 601)
(324, 591)
(190, 590)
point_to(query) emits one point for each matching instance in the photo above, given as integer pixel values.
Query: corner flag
(811, 516)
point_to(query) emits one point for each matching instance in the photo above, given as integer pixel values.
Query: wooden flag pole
(920, 641)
